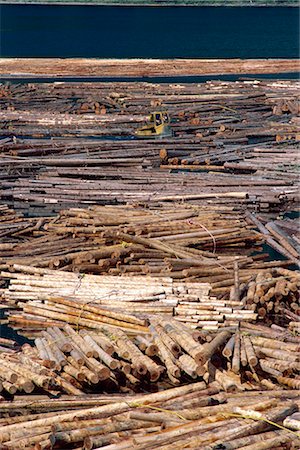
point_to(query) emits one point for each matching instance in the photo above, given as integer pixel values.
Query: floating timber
(163, 420)
(139, 269)
(33, 67)
(73, 144)
(210, 245)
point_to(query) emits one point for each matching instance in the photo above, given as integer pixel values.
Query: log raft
(141, 67)
(172, 292)
(246, 128)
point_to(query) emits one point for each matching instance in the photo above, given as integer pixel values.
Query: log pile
(74, 100)
(63, 187)
(65, 361)
(256, 366)
(267, 160)
(72, 360)
(184, 232)
(217, 126)
(184, 243)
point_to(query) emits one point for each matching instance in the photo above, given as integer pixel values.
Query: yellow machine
(157, 126)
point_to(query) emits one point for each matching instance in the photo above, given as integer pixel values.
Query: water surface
(148, 32)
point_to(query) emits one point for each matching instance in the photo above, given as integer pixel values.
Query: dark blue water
(162, 79)
(158, 32)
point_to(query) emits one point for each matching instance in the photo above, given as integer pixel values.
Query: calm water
(122, 32)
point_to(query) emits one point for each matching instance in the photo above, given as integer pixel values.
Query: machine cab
(159, 118)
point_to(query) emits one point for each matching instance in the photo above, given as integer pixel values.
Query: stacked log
(267, 159)
(82, 296)
(35, 294)
(108, 359)
(89, 236)
(189, 244)
(71, 362)
(74, 99)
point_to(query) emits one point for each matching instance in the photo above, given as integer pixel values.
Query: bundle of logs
(248, 97)
(36, 297)
(74, 360)
(196, 415)
(275, 295)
